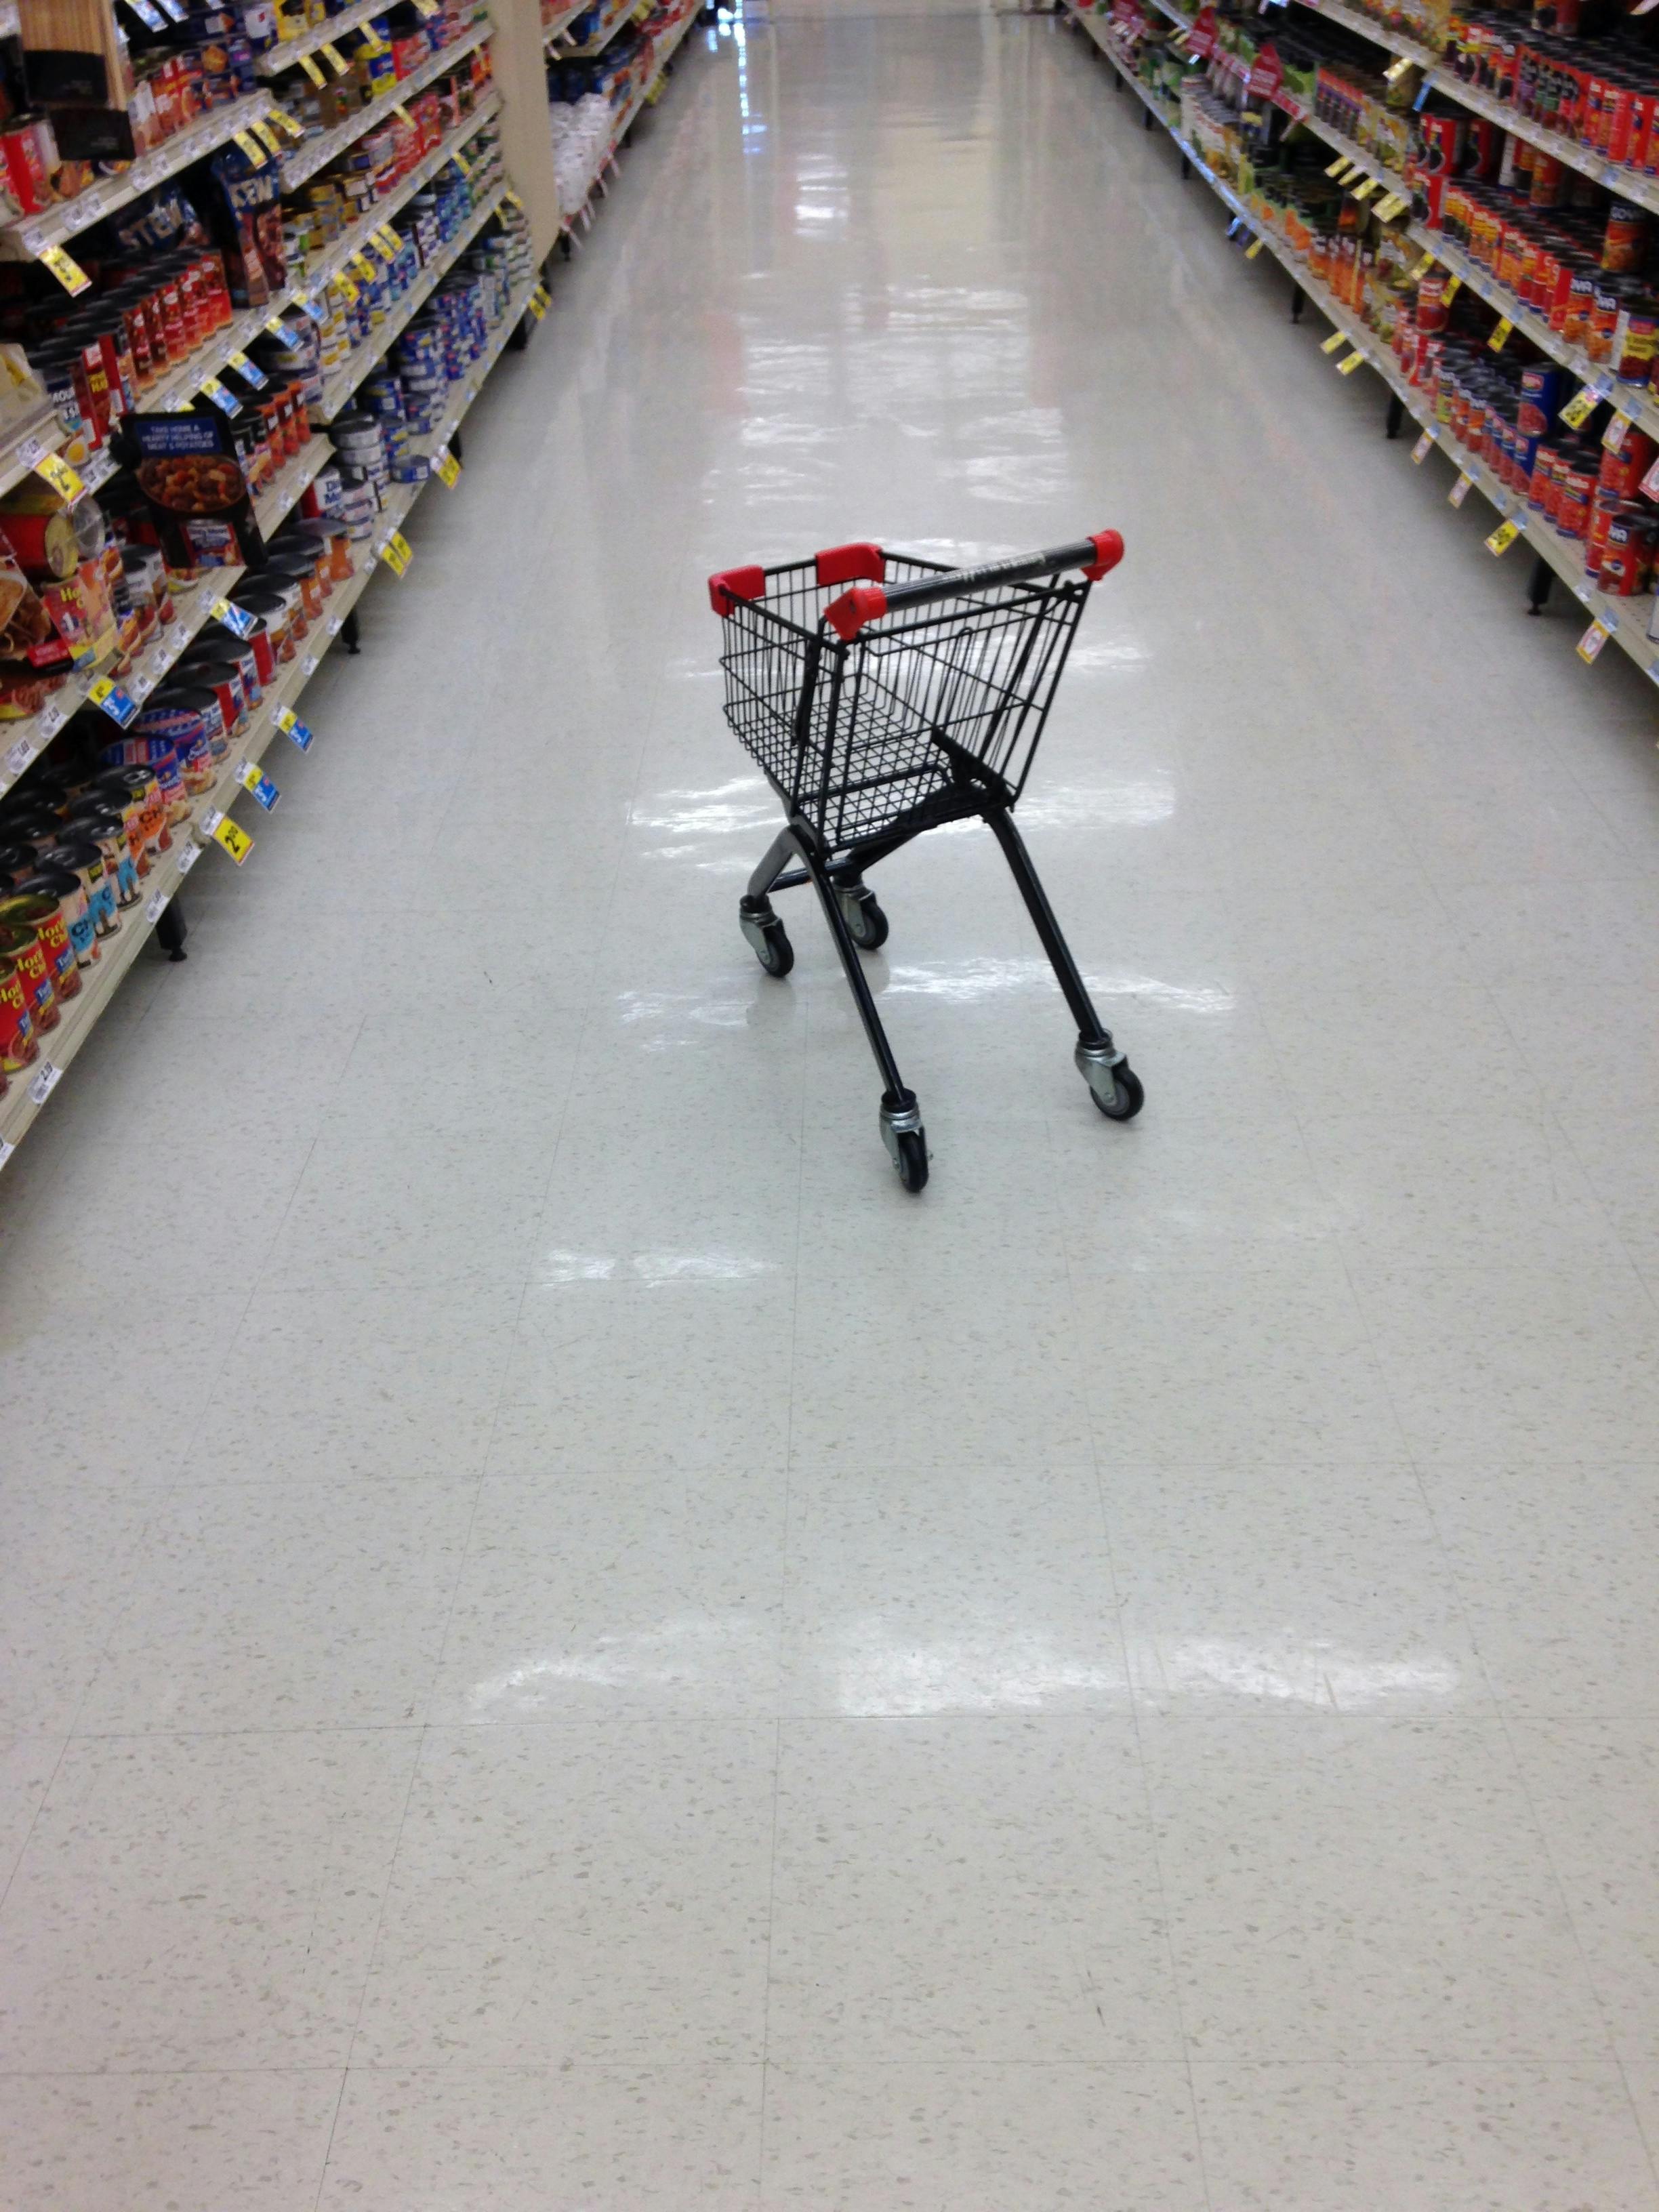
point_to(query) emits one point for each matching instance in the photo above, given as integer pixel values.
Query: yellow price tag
(1579, 409)
(1593, 640)
(462, 164)
(1613, 438)
(541, 301)
(404, 547)
(251, 146)
(308, 63)
(364, 266)
(1420, 450)
(60, 475)
(446, 468)
(1501, 336)
(268, 137)
(393, 559)
(373, 43)
(234, 839)
(1395, 71)
(1387, 209)
(1336, 338)
(1371, 185)
(427, 8)
(1422, 269)
(336, 60)
(402, 115)
(1347, 367)
(1252, 249)
(1340, 163)
(1503, 538)
(287, 124)
(513, 199)
(1461, 490)
(1453, 285)
(387, 253)
(65, 268)
(349, 286)
(389, 237)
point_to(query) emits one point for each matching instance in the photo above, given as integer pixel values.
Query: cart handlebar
(867, 603)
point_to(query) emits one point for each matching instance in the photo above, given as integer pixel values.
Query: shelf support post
(1396, 415)
(1299, 300)
(1538, 584)
(350, 637)
(171, 929)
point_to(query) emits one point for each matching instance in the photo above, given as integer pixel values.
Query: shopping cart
(914, 699)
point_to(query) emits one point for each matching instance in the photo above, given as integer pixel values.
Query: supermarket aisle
(567, 1646)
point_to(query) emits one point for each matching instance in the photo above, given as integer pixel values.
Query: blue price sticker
(233, 618)
(114, 702)
(1421, 99)
(245, 369)
(290, 725)
(267, 793)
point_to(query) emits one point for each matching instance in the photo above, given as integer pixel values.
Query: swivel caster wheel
(772, 947)
(1113, 1083)
(867, 925)
(906, 1139)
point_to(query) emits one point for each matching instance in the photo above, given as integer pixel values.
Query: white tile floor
(569, 1647)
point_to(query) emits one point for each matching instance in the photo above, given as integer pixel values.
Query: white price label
(7, 1148)
(155, 908)
(19, 756)
(49, 720)
(189, 853)
(45, 1083)
(211, 819)
(309, 664)
(335, 624)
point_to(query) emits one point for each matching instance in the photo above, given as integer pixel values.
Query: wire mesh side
(978, 670)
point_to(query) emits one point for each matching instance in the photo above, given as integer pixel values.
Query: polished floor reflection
(566, 1645)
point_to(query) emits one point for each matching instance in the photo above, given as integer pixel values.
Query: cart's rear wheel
(912, 1161)
(766, 933)
(867, 925)
(1127, 1097)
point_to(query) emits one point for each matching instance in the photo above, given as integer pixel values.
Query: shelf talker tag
(291, 727)
(1593, 640)
(60, 475)
(114, 702)
(266, 136)
(1503, 332)
(233, 618)
(253, 778)
(1250, 252)
(65, 268)
(1347, 367)
(1461, 490)
(1340, 163)
(1504, 537)
(1613, 438)
(233, 838)
(446, 467)
(251, 147)
(336, 60)
(244, 367)
(279, 329)
(1422, 269)
(308, 63)
(1420, 450)
(1336, 338)
(1396, 70)
(1453, 284)
(221, 396)
(1371, 185)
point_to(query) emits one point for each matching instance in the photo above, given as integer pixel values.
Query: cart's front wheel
(1127, 1097)
(771, 943)
(912, 1160)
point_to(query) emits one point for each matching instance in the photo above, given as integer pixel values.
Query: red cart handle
(867, 603)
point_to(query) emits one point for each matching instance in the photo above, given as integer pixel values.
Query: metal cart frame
(914, 699)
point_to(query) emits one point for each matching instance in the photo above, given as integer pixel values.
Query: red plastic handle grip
(731, 585)
(848, 614)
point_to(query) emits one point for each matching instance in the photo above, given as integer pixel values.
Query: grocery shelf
(553, 31)
(339, 388)
(23, 741)
(286, 52)
(1637, 403)
(357, 238)
(30, 1090)
(317, 153)
(1629, 184)
(601, 38)
(25, 238)
(667, 45)
(40, 432)
(1626, 621)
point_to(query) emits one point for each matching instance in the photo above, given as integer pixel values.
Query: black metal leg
(1538, 584)
(350, 636)
(1396, 416)
(171, 929)
(1299, 300)
(1146, 118)
(782, 850)
(1186, 168)
(1090, 1030)
(455, 446)
(894, 1094)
